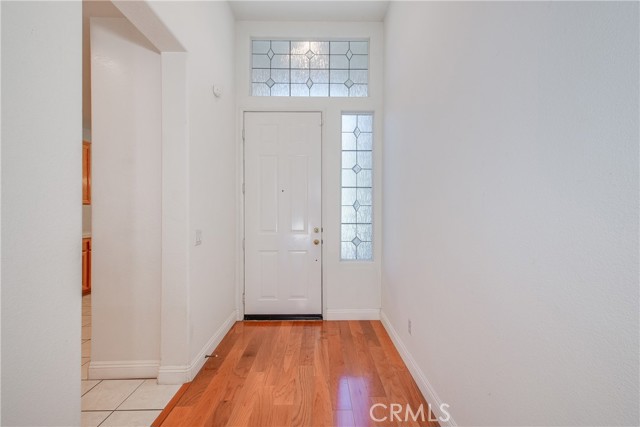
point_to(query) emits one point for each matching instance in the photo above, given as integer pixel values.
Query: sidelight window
(357, 184)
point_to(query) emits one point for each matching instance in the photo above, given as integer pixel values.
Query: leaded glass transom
(357, 182)
(310, 68)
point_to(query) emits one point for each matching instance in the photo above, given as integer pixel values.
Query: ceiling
(313, 10)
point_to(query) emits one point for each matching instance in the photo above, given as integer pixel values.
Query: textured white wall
(41, 212)
(126, 198)
(350, 289)
(206, 30)
(511, 207)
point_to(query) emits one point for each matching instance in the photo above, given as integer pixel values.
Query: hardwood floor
(300, 374)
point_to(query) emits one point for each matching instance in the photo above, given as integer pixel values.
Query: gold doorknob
(316, 242)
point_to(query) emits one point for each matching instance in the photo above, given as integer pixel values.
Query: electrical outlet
(409, 326)
(198, 237)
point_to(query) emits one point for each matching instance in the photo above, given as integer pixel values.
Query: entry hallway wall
(126, 201)
(510, 217)
(41, 212)
(206, 30)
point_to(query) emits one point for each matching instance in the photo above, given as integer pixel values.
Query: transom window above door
(310, 68)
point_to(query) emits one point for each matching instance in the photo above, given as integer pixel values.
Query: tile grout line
(111, 412)
(94, 386)
(83, 341)
(114, 410)
(130, 394)
(106, 418)
(125, 410)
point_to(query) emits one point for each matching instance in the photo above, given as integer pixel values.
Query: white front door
(283, 242)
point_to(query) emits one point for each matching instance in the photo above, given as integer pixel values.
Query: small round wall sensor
(217, 91)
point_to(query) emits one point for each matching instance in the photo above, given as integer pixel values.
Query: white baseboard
(126, 369)
(198, 361)
(173, 374)
(352, 314)
(180, 374)
(424, 385)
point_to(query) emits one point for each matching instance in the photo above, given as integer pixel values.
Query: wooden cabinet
(86, 266)
(86, 173)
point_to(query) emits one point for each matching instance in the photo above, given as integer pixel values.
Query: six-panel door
(283, 242)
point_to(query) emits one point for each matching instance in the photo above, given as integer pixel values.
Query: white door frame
(240, 280)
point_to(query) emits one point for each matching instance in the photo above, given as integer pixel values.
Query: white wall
(350, 289)
(126, 201)
(511, 207)
(41, 207)
(95, 9)
(206, 30)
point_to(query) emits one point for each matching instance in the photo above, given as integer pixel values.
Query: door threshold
(283, 317)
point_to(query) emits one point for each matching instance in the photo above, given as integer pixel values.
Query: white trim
(240, 273)
(123, 369)
(198, 361)
(418, 375)
(173, 374)
(180, 374)
(352, 314)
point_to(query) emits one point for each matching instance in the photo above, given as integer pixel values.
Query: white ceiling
(312, 10)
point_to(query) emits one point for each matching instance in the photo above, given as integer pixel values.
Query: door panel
(268, 193)
(283, 265)
(268, 274)
(298, 194)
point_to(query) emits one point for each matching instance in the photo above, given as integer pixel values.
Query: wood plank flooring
(268, 374)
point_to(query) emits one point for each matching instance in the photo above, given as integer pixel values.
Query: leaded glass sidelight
(310, 68)
(357, 165)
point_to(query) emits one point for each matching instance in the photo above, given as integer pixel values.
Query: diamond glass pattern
(313, 68)
(356, 241)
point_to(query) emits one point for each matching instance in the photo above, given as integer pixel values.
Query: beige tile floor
(117, 403)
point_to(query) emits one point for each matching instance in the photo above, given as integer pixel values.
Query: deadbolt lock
(316, 229)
